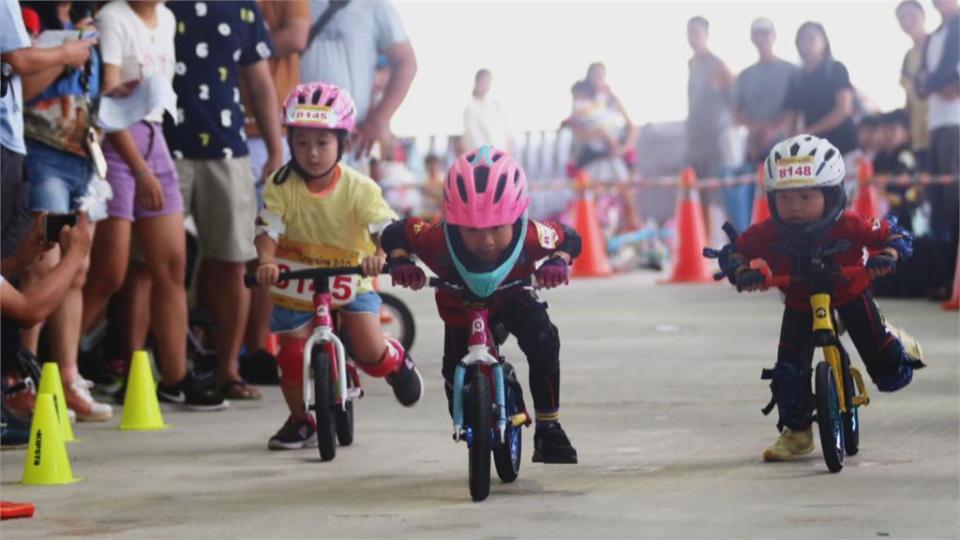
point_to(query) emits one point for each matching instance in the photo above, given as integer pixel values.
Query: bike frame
(323, 334)
(824, 333)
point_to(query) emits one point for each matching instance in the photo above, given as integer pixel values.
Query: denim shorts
(287, 320)
(57, 179)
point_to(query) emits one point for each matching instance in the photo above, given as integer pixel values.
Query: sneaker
(13, 434)
(407, 383)
(910, 346)
(191, 395)
(551, 445)
(20, 403)
(295, 434)
(259, 367)
(791, 444)
(78, 398)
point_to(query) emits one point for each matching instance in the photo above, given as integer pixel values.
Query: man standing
(218, 44)
(912, 20)
(483, 121)
(758, 95)
(343, 51)
(939, 82)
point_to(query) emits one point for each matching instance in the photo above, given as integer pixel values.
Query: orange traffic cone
(953, 304)
(866, 202)
(691, 235)
(761, 211)
(592, 261)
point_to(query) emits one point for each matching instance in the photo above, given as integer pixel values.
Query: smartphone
(55, 223)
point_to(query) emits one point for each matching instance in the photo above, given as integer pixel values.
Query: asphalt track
(661, 396)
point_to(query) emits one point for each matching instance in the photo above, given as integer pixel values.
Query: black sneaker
(294, 435)
(407, 383)
(551, 445)
(259, 367)
(191, 395)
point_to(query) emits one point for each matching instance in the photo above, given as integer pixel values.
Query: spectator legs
(221, 290)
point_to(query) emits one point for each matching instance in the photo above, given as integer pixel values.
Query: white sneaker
(82, 403)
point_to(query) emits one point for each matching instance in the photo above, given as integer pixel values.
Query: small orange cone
(866, 202)
(691, 235)
(953, 304)
(761, 211)
(592, 261)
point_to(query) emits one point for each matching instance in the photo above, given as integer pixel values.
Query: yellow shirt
(327, 229)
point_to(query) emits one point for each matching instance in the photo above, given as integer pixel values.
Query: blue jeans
(57, 179)
(738, 200)
(288, 320)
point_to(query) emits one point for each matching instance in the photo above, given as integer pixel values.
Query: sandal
(240, 390)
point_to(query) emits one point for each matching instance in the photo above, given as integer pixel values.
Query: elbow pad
(393, 238)
(900, 239)
(572, 244)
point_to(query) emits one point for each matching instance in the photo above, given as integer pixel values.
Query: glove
(553, 273)
(406, 273)
(881, 264)
(749, 279)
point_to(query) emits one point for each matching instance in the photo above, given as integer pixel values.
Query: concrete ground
(661, 396)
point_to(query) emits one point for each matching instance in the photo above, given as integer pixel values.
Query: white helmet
(805, 162)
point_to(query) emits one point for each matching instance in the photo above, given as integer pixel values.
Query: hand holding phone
(54, 223)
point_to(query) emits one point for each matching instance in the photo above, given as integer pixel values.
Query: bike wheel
(344, 422)
(323, 403)
(507, 455)
(397, 320)
(829, 420)
(480, 409)
(851, 418)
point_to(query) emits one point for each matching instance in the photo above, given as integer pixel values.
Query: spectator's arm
(403, 67)
(263, 100)
(291, 37)
(40, 298)
(34, 60)
(842, 110)
(34, 85)
(122, 140)
(944, 74)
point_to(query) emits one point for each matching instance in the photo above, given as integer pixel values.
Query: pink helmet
(485, 188)
(319, 105)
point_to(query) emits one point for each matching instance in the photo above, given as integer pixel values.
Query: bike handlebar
(785, 280)
(439, 283)
(250, 278)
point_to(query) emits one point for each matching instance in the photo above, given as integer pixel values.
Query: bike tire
(829, 422)
(344, 423)
(408, 326)
(851, 418)
(323, 403)
(507, 455)
(480, 407)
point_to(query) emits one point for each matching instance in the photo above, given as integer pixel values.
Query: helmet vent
(496, 157)
(301, 99)
(794, 149)
(501, 185)
(331, 100)
(826, 157)
(516, 177)
(471, 156)
(808, 138)
(315, 98)
(462, 189)
(777, 156)
(481, 175)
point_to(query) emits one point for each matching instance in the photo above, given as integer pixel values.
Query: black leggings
(526, 318)
(881, 352)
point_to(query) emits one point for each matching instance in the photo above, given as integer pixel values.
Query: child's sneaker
(191, 395)
(78, 398)
(295, 434)
(791, 444)
(407, 383)
(551, 445)
(910, 346)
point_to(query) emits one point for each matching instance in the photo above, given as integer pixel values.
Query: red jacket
(426, 241)
(760, 240)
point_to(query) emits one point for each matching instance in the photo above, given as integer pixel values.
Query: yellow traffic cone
(46, 461)
(50, 383)
(141, 410)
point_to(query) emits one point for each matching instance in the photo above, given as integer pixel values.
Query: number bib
(795, 172)
(297, 294)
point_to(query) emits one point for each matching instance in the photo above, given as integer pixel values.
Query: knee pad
(290, 363)
(389, 362)
(892, 369)
(790, 387)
